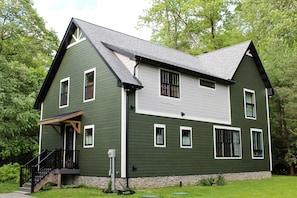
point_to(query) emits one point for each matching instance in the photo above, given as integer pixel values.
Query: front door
(69, 147)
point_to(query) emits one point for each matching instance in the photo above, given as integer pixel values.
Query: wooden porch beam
(57, 130)
(75, 124)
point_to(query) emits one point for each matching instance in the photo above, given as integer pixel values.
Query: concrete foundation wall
(157, 182)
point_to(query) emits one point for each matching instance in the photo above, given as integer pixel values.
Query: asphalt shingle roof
(220, 64)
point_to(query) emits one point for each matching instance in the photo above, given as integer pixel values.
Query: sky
(119, 15)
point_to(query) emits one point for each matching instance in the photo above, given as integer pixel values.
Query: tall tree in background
(273, 27)
(194, 26)
(26, 49)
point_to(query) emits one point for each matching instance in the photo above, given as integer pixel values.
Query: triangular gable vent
(77, 37)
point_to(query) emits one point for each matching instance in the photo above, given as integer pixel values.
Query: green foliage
(26, 50)
(194, 26)
(10, 173)
(219, 181)
(207, 181)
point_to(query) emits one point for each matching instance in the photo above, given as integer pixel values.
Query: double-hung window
(88, 141)
(227, 142)
(159, 135)
(89, 84)
(257, 143)
(249, 104)
(170, 84)
(64, 92)
(185, 137)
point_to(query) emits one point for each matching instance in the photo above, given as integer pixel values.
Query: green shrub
(207, 181)
(10, 173)
(221, 180)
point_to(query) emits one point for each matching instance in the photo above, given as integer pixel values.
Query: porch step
(25, 190)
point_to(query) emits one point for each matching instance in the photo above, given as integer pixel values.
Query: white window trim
(254, 98)
(214, 141)
(84, 89)
(206, 87)
(93, 136)
(179, 78)
(155, 137)
(252, 150)
(61, 81)
(181, 138)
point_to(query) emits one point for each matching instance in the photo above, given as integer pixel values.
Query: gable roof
(219, 65)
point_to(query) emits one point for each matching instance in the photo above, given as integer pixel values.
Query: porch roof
(65, 118)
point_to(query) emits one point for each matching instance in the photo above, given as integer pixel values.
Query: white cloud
(120, 15)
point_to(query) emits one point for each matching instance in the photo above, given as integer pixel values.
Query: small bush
(221, 180)
(10, 173)
(207, 181)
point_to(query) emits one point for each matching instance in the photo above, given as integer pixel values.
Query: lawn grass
(8, 187)
(277, 186)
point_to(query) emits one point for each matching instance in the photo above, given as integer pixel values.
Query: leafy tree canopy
(26, 50)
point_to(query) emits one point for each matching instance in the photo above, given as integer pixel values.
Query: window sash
(64, 92)
(88, 136)
(250, 104)
(89, 85)
(257, 144)
(186, 137)
(227, 143)
(169, 84)
(160, 136)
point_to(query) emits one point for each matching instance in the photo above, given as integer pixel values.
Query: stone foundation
(157, 182)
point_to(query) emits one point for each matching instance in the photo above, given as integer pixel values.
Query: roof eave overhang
(183, 70)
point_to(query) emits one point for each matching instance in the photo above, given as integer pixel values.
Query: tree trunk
(292, 167)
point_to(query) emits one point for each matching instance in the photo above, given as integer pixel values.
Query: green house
(171, 117)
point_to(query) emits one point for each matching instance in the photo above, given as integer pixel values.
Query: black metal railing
(39, 167)
(26, 170)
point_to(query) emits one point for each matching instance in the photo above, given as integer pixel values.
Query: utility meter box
(111, 153)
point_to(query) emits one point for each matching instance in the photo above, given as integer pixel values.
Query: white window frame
(181, 138)
(62, 81)
(155, 135)
(214, 140)
(252, 143)
(93, 136)
(94, 88)
(254, 100)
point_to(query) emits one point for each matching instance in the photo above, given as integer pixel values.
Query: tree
(23, 34)
(273, 27)
(26, 50)
(194, 26)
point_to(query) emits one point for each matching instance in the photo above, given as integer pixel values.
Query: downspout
(127, 125)
(127, 136)
(137, 63)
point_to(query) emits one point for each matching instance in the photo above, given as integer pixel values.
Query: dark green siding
(103, 112)
(173, 160)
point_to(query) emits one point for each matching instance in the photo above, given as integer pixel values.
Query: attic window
(77, 37)
(207, 83)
